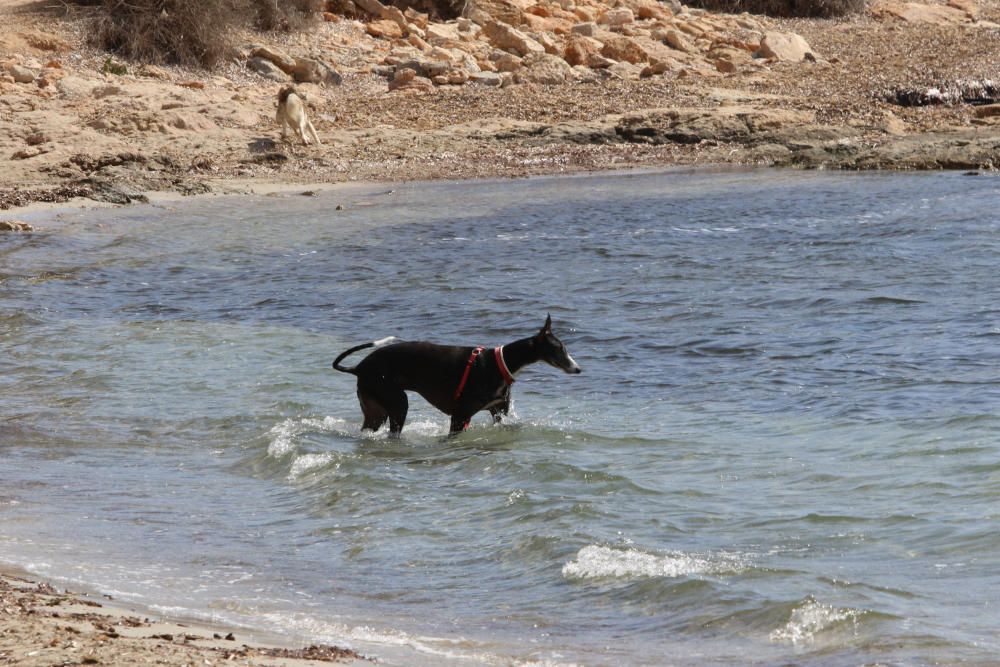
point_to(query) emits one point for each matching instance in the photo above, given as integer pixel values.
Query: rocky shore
(511, 88)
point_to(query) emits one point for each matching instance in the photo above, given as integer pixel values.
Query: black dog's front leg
(459, 422)
(501, 409)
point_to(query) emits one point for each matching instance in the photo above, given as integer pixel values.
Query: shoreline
(42, 625)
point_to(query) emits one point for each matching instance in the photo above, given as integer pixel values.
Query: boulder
(21, 74)
(785, 47)
(505, 11)
(308, 70)
(676, 40)
(625, 49)
(73, 87)
(587, 29)
(915, 12)
(507, 62)
(507, 37)
(544, 68)
(281, 59)
(582, 50)
(385, 29)
(491, 79)
(15, 226)
(443, 33)
(267, 69)
(618, 16)
(407, 79)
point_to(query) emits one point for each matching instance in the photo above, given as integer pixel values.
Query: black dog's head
(552, 351)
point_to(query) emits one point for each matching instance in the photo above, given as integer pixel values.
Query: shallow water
(784, 446)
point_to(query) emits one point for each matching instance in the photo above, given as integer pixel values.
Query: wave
(600, 562)
(810, 618)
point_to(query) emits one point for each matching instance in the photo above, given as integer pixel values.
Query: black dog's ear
(547, 327)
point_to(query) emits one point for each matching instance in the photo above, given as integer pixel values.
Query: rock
(373, 7)
(419, 19)
(587, 29)
(308, 70)
(491, 79)
(785, 47)
(970, 7)
(625, 70)
(676, 40)
(15, 226)
(506, 37)
(649, 9)
(28, 153)
(621, 48)
(725, 66)
(507, 62)
(283, 61)
(544, 68)
(426, 68)
(72, 87)
(20, 74)
(267, 69)
(443, 34)
(618, 16)
(915, 12)
(659, 67)
(418, 42)
(550, 45)
(391, 13)
(407, 79)
(582, 50)
(505, 11)
(384, 29)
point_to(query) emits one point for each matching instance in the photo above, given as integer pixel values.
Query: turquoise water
(784, 446)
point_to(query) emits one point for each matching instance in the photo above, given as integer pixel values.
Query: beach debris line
(981, 92)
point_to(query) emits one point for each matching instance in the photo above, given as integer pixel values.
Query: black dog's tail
(343, 355)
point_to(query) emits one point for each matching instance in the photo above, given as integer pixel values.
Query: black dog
(458, 381)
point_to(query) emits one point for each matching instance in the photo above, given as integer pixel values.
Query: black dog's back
(429, 369)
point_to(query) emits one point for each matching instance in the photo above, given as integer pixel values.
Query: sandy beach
(71, 127)
(41, 625)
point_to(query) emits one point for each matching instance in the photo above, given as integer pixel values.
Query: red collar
(502, 365)
(465, 375)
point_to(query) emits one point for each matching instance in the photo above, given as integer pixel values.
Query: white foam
(809, 619)
(594, 561)
(303, 464)
(283, 435)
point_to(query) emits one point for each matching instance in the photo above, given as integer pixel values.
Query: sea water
(784, 447)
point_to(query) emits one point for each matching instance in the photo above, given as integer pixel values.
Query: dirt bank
(556, 86)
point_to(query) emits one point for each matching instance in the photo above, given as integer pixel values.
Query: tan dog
(292, 114)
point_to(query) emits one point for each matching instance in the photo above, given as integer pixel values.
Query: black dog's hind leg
(375, 415)
(398, 406)
(383, 403)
